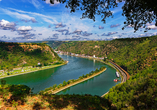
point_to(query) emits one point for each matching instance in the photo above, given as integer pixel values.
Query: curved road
(121, 71)
(124, 74)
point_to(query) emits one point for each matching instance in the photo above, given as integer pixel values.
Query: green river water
(76, 67)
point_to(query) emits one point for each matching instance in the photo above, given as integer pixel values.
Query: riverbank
(33, 70)
(123, 76)
(101, 60)
(75, 83)
(110, 64)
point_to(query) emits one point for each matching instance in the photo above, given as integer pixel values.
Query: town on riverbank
(124, 75)
(79, 55)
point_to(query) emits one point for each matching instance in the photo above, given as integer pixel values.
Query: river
(76, 67)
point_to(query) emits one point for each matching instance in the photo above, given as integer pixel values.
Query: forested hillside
(98, 48)
(25, 54)
(140, 60)
(138, 56)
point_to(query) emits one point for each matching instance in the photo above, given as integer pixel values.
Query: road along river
(76, 67)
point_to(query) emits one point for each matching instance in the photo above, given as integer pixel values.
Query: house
(72, 54)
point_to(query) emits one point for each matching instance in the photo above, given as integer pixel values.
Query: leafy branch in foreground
(137, 12)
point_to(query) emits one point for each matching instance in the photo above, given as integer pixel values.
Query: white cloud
(0, 0)
(48, 21)
(73, 23)
(26, 14)
(6, 25)
(46, 32)
(8, 34)
(36, 4)
(17, 15)
(59, 25)
(25, 28)
(152, 27)
(4, 22)
(115, 37)
(101, 27)
(78, 31)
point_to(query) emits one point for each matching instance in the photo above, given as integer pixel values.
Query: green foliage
(19, 90)
(3, 82)
(25, 54)
(138, 56)
(139, 60)
(98, 48)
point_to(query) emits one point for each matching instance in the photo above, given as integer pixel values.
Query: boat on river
(117, 74)
(115, 80)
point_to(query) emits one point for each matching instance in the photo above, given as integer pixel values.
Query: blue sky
(37, 20)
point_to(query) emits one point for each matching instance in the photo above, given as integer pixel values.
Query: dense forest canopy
(137, 12)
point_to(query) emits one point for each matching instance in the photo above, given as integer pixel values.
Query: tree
(64, 83)
(54, 86)
(137, 12)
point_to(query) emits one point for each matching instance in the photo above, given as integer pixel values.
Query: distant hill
(25, 54)
(98, 48)
(55, 44)
(52, 44)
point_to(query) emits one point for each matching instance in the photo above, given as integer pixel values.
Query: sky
(37, 20)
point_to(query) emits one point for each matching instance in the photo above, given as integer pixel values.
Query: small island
(55, 89)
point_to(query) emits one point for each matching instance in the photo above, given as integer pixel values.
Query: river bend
(76, 67)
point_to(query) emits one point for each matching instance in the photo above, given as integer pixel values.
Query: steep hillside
(98, 48)
(25, 54)
(138, 56)
(140, 91)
